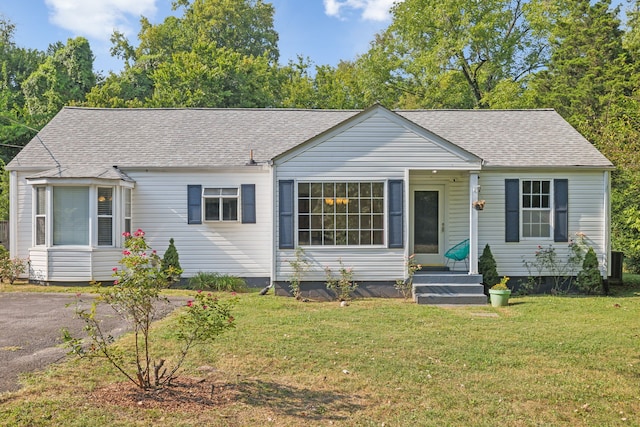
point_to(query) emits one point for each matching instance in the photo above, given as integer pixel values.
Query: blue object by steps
(459, 252)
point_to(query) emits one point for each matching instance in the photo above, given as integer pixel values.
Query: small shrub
(212, 281)
(300, 264)
(171, 263)
(343, 286)
(488, 268)
(133, 296)
(405, 286)
(11, 268)
(589, 280)
(562, 271)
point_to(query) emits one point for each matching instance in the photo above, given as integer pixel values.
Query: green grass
(542, 361)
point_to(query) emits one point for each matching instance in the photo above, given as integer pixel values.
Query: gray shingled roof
(102, 138)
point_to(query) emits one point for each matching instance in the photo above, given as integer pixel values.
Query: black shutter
(512, 210)
(396, 213)
(248, 194)
(561, 210)
(286, 225)
(194, 204)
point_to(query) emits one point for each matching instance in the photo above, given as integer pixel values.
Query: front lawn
(544, 360)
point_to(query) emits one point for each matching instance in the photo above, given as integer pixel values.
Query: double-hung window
(536, 208)
(105, 216)
(126, 195)
(41, 215)
(220, 203)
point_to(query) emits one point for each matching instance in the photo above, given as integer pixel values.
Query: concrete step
(450, 299)
(450, 278)
(448, 288)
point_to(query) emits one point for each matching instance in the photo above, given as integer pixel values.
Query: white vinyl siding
(376, 148)
(586, 215)
(229, 247)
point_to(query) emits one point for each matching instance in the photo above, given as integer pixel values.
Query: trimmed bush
(171, 263)
(589, 280)
(488, 268)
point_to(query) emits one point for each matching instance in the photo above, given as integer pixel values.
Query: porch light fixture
(476, 189)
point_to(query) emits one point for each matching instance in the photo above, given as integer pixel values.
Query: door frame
(429, 259)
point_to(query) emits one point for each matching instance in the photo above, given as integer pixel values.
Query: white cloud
(98, 18)
(372, 10)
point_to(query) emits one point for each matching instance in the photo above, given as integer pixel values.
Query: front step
(453, 299)
(449, 289)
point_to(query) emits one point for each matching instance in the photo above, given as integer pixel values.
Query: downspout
(607, 223)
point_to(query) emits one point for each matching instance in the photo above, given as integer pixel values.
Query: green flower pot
(499, 298)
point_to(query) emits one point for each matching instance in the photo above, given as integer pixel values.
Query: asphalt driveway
(30, 330)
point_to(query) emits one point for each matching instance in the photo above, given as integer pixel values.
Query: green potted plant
(500, 293)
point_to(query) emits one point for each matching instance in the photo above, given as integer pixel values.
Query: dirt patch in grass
(186, 394)
(198, 395)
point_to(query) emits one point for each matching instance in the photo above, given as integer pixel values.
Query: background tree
(455, 53)
(63, 78)
(219, 53)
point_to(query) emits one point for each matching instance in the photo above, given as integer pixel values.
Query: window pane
(329, 189)
(341, 237)
(329, 238)
(229, 191)
(127, 225)
(378, 189)
(105, 231)
(40, 233)
(316, 237)
(316, 190)
(304, 238)
(105, 201)
(352, 189)
(212, 209)
(378, 206)
(127, 202)
(303, 206)
(316, 222)
(41, 201)
(303, 222)
(70, 215)
(365, 190)
(230, 209)
(304, 189)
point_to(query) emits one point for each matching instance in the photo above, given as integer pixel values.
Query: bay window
(80, 215)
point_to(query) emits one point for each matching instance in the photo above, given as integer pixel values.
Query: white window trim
(551, 210)
(220, 198)
(385, 224)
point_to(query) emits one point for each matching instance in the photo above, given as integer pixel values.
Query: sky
(325, 31)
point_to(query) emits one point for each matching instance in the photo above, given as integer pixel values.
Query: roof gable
(391, 119)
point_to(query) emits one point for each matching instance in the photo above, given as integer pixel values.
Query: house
(240, 189)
